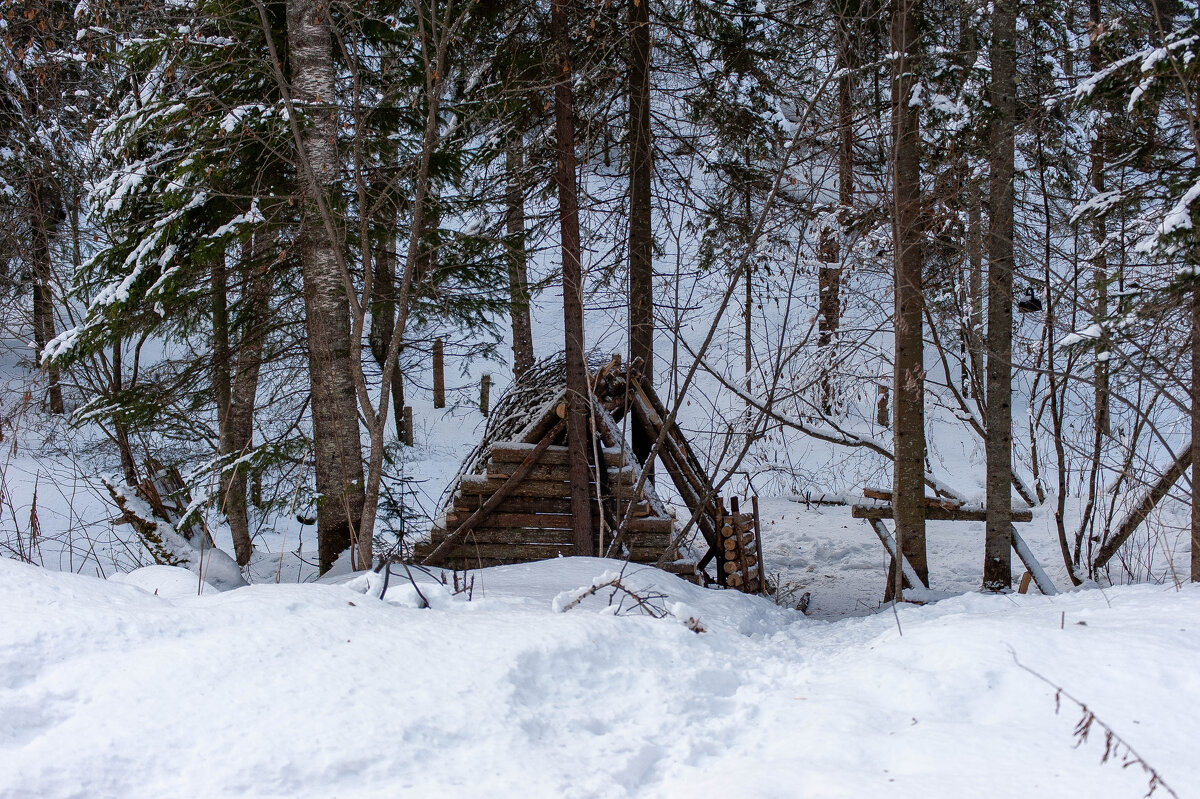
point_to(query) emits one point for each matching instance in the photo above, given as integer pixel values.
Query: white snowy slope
(107, 689)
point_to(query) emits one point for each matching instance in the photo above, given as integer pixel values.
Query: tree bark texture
(997, 567)
(42, 204)
(641, 235)
(908, 412)
(518, 274)
(237, 422)
(1196, 434)
(383, 304)
(1099, 231)
(337, 447)
(578, 393)
(120, 429)
(829, 276)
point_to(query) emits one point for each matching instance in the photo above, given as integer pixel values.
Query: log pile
(739, 562)
(532, 521)
(513, 501)
(515, 505)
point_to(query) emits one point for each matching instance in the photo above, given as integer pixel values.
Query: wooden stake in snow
(407, 432)
(439, 375)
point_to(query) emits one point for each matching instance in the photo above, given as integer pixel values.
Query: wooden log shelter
(877, 506)
(512, 500)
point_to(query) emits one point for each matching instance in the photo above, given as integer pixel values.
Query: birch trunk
(337, 448)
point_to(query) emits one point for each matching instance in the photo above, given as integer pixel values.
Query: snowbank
(323, 690)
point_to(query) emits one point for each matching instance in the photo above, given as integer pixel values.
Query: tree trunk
(1196, 434)
(383, 304)
(997, 569)
(237, 427)
(120, 429)
(1099, 233)
(829, 277)
(975, 287)
(641, 235)
(337, 448)
(518, 275)
(222, 394)
(908, 410)
(578, 394)
(41, 205)
(973, 338)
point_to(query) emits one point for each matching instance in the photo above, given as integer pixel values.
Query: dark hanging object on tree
(1029, 302)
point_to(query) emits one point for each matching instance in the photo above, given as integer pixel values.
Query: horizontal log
(750, 586)
(685, 568)
(885, 495)
(936, 514)
(731, 567)
(521, 553)
(515, 452)
(556, 472)
(557, 505)
(650, 524)
(502, 518)
(559, 521)
(485, 485)
(731, 545)
(479, 485)
(486, 533)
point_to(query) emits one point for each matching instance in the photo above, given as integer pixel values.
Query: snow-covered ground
(138, 686)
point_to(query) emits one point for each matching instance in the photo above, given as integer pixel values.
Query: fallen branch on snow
(1115, 747)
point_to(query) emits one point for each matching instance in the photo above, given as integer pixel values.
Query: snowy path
(314, 690)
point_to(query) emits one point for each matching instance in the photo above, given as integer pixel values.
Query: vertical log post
(439, 374)
(485, 394)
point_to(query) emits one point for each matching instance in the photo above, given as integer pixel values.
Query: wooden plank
(651, 524)
(889, 543)
(524, 552)
(560, 521)
(488, 534)
(511, 535)
(1040, 578)
(762, 569)
(491, 554)
(474, 486)
(557, 505)
(469, 503)
(500, 518)
(554, 472)
(935, 514)
(556, 455)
